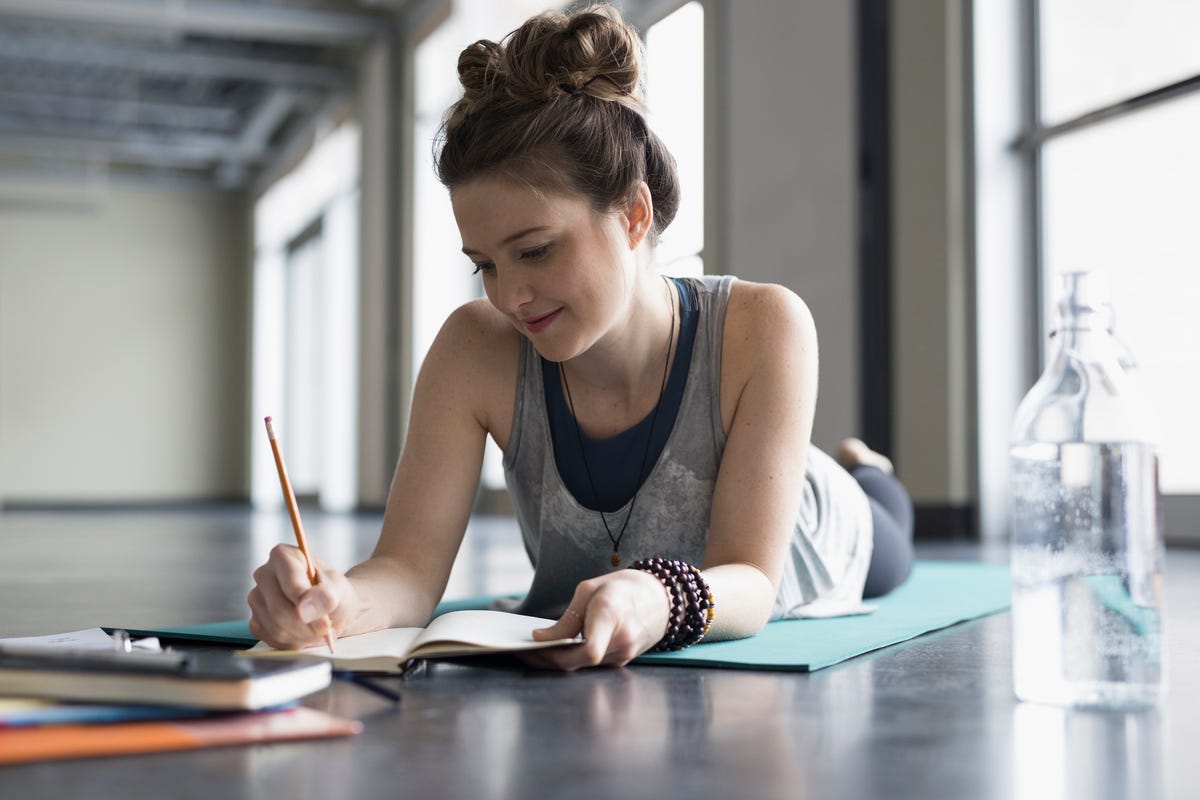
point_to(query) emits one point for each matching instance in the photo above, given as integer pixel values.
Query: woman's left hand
(621, 615)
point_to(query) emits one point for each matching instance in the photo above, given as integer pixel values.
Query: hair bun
(557, 105)
(479, 67)
(592, 52)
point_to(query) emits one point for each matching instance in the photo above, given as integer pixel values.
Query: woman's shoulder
(764, 316)
(768, 338)
(476, 335)
(477, 351)
(479, 318)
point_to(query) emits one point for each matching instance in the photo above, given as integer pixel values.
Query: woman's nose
(512, 290)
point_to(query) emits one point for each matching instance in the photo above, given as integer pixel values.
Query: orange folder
(50, 742)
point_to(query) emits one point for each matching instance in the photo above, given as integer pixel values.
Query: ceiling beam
(288, 153)
(264, 120)
(193, 151)
(65, 51)
(247, 21)
(128, 110)
(95, 84)
(644, 13)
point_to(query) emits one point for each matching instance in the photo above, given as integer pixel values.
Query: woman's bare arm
(770, 344)
(462, 387)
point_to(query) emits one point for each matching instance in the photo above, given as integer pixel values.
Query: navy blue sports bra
(615, 461)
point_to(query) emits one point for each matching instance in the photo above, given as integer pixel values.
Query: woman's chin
(547, 350)
(552, 349)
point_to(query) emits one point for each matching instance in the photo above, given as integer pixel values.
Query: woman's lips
(539, 324)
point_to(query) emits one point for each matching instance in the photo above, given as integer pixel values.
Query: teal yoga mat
(232, 633)
(937, 595)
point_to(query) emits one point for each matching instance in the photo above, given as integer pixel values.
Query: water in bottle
(1086, 547)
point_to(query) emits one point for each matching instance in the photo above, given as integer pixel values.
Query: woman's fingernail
(308, 611)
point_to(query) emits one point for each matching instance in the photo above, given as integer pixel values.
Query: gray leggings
(892, 518)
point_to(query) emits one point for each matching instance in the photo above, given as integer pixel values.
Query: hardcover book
(213, 680)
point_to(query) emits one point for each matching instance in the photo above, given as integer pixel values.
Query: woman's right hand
(288, 612)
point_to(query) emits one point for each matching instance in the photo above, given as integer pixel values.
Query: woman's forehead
(503, 188)
(494, 206)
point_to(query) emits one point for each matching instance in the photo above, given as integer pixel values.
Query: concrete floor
(933, 717)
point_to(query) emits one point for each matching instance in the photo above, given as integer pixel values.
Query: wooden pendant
(616, 559)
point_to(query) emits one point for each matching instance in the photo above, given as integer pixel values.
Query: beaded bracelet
(692, 606)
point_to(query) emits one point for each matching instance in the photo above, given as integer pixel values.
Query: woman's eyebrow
(509, 239)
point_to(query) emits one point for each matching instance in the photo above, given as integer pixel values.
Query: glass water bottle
(1087, 554)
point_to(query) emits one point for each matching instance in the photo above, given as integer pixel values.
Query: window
(1097, 52)
(675, 95)
(1084, 124)
(1120, 193)
(1085, 114)
(305, 336)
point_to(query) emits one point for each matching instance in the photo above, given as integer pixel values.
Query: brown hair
(558, 104)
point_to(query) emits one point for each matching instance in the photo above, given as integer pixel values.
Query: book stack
(82, 694)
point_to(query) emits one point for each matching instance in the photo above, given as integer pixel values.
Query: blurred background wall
(138, 272)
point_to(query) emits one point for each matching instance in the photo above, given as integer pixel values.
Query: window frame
(1179, 512)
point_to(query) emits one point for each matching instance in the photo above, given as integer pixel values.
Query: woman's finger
(574, 620)
(290, 570)
(340, 597)
(599, 625)
(569, 625)
(274, 607)
(266, 622)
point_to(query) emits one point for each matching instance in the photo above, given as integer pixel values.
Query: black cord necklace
(615, 559)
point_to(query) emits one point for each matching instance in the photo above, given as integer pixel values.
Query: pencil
(289, 497)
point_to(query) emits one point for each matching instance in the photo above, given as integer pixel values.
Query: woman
(641, 417)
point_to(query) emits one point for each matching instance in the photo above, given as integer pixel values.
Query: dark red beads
(692, 606)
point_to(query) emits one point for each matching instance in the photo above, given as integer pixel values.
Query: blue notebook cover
(26, 713)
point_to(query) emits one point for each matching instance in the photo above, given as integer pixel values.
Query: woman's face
(560, 272)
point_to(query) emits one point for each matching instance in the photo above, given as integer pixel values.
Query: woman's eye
(536, 253)
(485, 266)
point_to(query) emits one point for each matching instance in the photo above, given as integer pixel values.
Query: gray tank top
(830, 549)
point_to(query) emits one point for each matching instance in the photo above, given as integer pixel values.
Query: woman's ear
(639, 215)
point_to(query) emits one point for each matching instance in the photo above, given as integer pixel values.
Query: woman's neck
(626, 366)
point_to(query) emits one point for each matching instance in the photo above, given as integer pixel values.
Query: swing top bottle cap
(1084, 292)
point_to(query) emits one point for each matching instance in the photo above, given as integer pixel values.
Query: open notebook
(458, 633)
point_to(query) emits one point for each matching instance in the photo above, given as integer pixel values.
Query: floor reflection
(1060, 753)
(644, 732)
(933, 717)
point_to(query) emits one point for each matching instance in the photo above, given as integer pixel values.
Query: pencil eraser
(268, 419)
